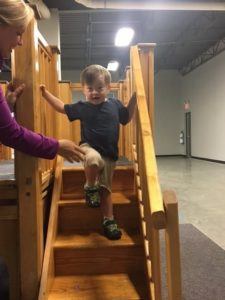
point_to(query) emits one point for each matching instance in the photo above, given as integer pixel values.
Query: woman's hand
(70, 151)
(13, 92)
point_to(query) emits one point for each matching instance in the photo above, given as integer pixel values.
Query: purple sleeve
(22, 139)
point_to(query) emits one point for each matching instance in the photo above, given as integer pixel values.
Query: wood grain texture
(48, 269)
(98, 287)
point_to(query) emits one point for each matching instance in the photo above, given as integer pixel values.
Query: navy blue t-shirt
(100, 124)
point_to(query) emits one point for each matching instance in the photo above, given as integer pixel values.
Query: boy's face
(97, 91)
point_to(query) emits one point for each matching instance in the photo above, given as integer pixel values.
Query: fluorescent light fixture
(124, 36)
(113, 65)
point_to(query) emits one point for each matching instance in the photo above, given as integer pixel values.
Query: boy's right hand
(70, 151)
(43, 89)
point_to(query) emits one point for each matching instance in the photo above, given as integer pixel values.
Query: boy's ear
(109, 87)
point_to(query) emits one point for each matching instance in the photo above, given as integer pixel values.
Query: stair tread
(96, 287)
(117, 198)
(126, 166)
(87, 239)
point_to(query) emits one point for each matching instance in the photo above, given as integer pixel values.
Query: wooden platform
(7, 170)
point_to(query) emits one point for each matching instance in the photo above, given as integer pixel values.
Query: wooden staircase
(86, 264)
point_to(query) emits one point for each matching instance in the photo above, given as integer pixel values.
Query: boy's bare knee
(94, 160)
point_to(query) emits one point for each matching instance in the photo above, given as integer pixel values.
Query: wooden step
(75, 214)
(100, 287)
(88, 253)
(74, 179)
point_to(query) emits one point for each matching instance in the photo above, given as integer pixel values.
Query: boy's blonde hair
(89, 74)
(15, 13)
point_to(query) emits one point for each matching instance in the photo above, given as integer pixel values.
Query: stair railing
(157, 212)
(48, 272)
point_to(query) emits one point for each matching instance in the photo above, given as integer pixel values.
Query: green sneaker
(111, 229)
(92, 196)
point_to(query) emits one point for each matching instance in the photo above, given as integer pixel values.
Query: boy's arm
(55, 102)
(131, 106)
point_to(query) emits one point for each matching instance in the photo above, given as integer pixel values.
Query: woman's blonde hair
(15, 13)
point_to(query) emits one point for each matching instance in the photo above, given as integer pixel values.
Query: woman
(15, 16)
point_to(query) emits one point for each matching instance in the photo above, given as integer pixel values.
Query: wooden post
(27, 168)
(128, 137)
(121, 136)
(172, 246)
(146, 52)
(55, 84)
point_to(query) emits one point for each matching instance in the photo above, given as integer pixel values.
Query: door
(188, 133)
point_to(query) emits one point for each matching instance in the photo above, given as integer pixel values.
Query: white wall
(71, 75)
(50, 30)
(169, 115)
(205, 88)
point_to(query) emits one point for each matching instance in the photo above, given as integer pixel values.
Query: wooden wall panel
(63, 124)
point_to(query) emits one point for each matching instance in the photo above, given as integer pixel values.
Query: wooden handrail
(48, 262)
(149, 161)
(155, 214)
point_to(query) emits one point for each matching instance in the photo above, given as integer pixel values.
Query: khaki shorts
(106, 165)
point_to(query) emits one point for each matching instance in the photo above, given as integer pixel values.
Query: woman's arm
(29, 142)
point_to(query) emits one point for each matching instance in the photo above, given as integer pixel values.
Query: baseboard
(171, 155)
(195, 157)
(209, 159)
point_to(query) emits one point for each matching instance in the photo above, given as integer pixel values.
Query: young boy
(100, 118)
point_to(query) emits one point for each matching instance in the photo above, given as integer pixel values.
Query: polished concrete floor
(200, 189)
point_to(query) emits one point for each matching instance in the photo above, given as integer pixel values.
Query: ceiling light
(124, 36)
(113, 65)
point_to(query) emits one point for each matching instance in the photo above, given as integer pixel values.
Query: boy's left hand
(13, 92)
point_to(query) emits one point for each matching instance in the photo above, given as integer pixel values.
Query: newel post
(26, 69)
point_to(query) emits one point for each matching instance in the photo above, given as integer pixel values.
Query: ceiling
(87, 36)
